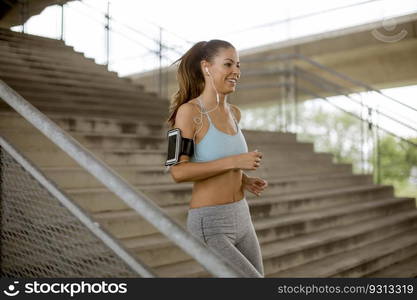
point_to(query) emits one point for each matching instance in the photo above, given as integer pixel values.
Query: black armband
(177, 145)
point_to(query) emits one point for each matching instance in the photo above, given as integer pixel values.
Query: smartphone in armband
(178, 145)
(174, 146)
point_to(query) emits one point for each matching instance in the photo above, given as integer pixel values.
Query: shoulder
(186, 113)
(188, 110)
(185, 108)
(236, 111)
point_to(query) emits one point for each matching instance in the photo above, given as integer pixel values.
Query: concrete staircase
(316, 219)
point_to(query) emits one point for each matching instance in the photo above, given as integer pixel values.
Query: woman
(218, 214)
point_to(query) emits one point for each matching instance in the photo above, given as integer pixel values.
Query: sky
(136, 27)
(184, 22)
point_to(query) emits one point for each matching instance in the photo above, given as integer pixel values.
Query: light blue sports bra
(217, 144)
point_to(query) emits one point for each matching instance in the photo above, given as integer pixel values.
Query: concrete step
(406, 268)
(273, 149)
(15, 58)
(53, 55)
(125, 223)
(55, 49)
(30, 54)
(14, 66)
(268, 204)
(187, 269)
(46, 154)
(370, 206)
(91, 124)
(117, 130)
(30, 37)
(54, 52)
(290, 203)
(29, 79)
(292, 252)
(52, 45)
(55, 158)
(297, 169)
(360, 261)
(88, 109)
(141, 101)
(117, 94)
(111, 125)
(77, 177)
(7, 57)
(12, 62)
(99, 142)
(127, 142)
(154, 157)
(283, 253)
(31, 87)
(32, 40)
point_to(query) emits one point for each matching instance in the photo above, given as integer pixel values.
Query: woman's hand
(247, 161)
(255, 185)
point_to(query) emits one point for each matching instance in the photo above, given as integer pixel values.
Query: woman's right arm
(194, 171)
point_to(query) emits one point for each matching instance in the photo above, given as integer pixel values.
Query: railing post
(23, 13)
(62, 21)
(378, 151)
(107, 29)
(291, 94)
(361, 124)
(160, 62)
(370, 132)
(282, 103)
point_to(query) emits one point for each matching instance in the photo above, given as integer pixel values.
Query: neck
(209, 99)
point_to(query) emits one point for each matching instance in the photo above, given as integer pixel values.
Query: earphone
(206, 112)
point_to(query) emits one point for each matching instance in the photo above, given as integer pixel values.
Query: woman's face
(224, 70)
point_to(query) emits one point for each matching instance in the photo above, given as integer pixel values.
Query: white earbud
(206, 112)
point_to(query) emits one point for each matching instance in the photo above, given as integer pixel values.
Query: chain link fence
(41, 238)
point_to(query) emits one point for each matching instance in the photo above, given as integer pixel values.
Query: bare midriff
(216, 190)
(219, 189)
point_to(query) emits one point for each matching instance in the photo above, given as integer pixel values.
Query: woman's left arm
(254, 185)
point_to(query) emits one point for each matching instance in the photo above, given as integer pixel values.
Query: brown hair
(189, 75)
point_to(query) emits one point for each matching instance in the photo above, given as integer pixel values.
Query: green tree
(340, 134)
(332, 132)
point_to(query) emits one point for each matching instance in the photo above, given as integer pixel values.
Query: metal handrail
(211, 260)
(352, 80)
(300, 73)
(308, 91)
(134, 263)
(135, 30)
(327, 69)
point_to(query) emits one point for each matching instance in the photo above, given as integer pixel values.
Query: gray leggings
(228, 229)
